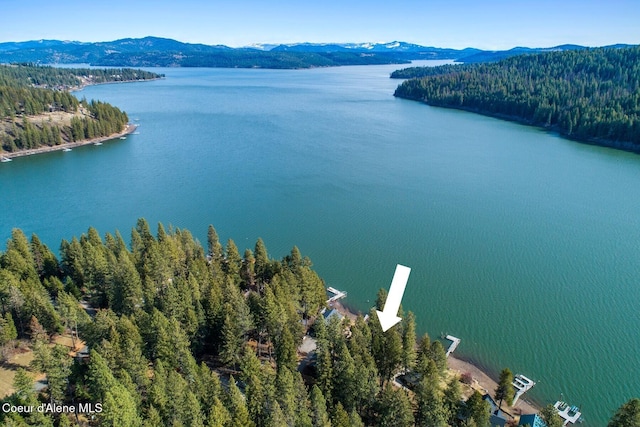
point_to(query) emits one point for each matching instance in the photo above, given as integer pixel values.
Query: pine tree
(430, 410)
(319, 413)
(119, 409)
(550, 416)
(8, 330)
(237, 406)
(477, 410)
(504, 390)
(452, 400)
(628, 415)
(394, 408)
(214, 247)
(409, 342)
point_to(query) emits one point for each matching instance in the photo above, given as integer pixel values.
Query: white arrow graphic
(389, 316)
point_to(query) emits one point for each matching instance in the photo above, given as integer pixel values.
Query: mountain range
(163, 52)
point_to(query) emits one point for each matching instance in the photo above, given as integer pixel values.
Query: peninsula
(589, 95)
(39, 114)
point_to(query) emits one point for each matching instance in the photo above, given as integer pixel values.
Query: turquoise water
(523, 244)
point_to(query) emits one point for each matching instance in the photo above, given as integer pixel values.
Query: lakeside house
(328, 314)
(498, 416)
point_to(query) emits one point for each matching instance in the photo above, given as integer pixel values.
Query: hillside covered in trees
(591, 95)
(36, 108)
(180, 336)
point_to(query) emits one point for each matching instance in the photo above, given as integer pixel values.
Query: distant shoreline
(82, 86)
(130, 128)
(597, 142)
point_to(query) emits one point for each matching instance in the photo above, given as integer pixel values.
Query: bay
(523, 244)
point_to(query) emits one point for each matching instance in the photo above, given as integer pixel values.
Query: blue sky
(453, 23)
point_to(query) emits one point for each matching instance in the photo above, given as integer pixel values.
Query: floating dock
(454, 344)
(522, 385)
(570, 414)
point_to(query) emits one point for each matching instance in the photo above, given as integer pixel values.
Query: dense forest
(21, 75)
(179, 336)
(591, 95)
(248, 58)
(162, 52)
(29, 95)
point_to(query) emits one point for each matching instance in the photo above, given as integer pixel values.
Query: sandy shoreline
(481, 380)
(46, 149)
(484, 383)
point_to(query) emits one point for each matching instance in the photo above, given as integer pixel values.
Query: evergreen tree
(476, 410)
(8, 330)
(394, 408)
(213, 245)
(409, 342)
(431, 411)
(237, 407)
(340, 417)
(505, 390)
(452, 401)
(119, 409)
(550, 416)
(319, 413)
(628, 415)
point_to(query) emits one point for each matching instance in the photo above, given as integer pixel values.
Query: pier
(521, 384)
(454, 344)
(569, 414)
(334, 294)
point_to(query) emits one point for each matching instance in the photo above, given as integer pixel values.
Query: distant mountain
(68, 52)
(494, 56)
(163, 52)
(407, 51)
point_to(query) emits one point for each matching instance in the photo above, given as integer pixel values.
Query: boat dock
(454, 344)
(521, 384)
(569, 414)
(334, 294)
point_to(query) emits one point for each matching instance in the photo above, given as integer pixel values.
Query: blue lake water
(523, 244)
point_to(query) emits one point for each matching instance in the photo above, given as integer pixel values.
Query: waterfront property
(474, 205)
(498, 416)
(328, 314)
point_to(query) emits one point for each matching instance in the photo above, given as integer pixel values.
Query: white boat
(98, 143)
(5, 160)
(66, 150)
(123, 137)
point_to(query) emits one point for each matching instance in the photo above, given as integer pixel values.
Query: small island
(39, 114)
(590, 95)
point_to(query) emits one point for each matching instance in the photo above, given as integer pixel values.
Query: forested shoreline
(588, 95)
(180, 336)
(37, 110)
